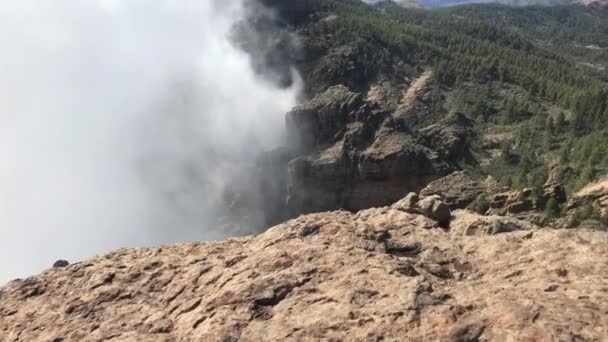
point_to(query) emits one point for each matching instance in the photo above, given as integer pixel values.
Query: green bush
(552, 209)
(481, 205)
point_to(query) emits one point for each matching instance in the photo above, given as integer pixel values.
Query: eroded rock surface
(459, 190)
(379, 274)
(595, 193)
(356, 154)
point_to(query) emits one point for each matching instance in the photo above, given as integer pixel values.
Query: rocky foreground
(380, 274)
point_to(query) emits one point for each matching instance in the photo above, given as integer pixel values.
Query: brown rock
(316, 122)
(333, 276)
(520, 206)
(408, 203)
(450, 136)
(432, 207)
(467, 223)
(596, 193)
(458, 189)
(354, 154)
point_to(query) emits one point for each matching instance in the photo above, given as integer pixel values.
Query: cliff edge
(388, 274)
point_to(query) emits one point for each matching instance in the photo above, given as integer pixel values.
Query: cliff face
(383, 88)
(379, 274)
(355, 154)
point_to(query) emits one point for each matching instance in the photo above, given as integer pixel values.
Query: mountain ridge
(517, 3)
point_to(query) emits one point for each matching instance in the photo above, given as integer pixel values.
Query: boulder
(408, 203)
(61, 263)
(315, 123)
(432, 207)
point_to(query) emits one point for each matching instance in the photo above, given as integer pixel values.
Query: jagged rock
(499, 201)
(318, 184)
(458, 189)
(596, 193)
(391, 167)
(450, 136)
(520, 206)
(316, 122)
(408, 203)
(376, 274)
(467, 223)
(588, 208)
(513, 202)
(61, 263)
(356, 157)
(432, 207)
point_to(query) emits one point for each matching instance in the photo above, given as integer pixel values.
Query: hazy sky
(107, 109)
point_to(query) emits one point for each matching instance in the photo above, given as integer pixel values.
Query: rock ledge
(379, 274)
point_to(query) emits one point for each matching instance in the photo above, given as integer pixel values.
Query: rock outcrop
(595, 193)
(459, 190)
(379, 274)
(432, 207)
(466, 224)
(356, 155)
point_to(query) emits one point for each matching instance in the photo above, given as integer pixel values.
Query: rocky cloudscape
(327, 170)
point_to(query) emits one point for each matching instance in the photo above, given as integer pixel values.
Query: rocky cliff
(353, 153)
(389, 273)
(394, 99)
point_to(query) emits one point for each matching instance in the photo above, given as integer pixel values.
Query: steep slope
(530, 82)
(356, 154)
(380, 274)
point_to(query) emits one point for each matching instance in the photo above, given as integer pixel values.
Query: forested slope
(534, 78)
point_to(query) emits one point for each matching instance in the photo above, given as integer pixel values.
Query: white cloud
(104, 107)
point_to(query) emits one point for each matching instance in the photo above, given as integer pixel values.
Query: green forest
(538, 73)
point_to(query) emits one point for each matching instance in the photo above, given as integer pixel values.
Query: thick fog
(121, 124)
